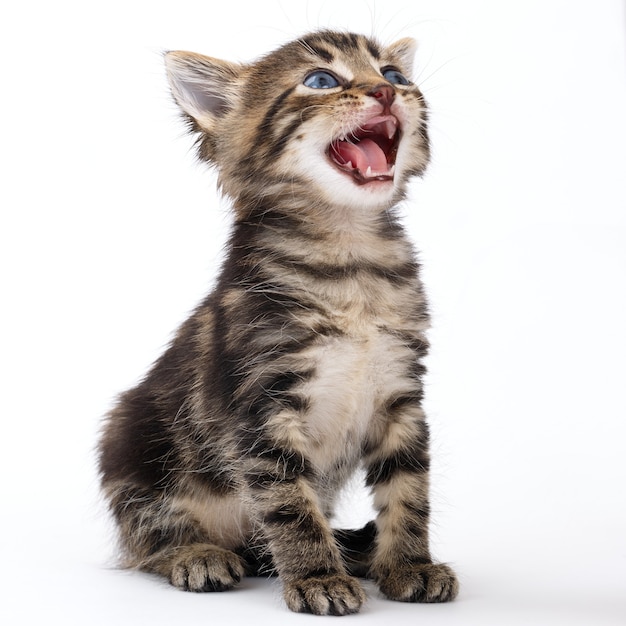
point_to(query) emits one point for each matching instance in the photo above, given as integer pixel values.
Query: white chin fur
(339, 188)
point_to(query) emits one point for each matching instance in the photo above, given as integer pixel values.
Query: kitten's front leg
(299, 537)
(398, 473)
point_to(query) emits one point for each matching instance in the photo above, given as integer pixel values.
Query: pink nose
(384, 93)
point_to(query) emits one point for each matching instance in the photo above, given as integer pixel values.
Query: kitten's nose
(384, 93)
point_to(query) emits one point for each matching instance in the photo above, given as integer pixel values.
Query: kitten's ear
(203, 87)
(404, 50)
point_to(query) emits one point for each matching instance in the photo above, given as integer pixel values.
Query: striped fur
(305, 361)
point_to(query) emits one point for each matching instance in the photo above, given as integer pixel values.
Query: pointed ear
(404, 50)
(204, 88)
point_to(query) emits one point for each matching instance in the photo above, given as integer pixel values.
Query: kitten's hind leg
(198, 567)
(159, 537)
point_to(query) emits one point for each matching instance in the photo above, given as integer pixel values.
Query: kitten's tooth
(392, 170)
(368, 173)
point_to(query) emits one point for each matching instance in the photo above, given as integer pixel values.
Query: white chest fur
(354, 377)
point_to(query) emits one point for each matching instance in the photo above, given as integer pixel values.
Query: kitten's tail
(357, 547)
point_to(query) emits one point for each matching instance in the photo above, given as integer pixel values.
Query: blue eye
(395, 77)
(321, 80)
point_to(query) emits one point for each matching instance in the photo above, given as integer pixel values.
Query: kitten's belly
(354, 377)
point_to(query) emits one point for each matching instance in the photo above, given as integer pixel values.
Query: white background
(110, 233)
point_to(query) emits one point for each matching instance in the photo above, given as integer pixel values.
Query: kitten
(305, 361)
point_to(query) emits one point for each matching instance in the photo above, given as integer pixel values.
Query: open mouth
(369, 153)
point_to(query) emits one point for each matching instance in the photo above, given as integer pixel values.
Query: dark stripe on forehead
(321, 52)
(343, 42)
(372, 48)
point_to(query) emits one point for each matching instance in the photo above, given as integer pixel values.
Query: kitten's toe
(206, 568)
(325, 595)
(420, 583)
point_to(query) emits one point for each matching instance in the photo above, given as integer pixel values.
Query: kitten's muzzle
(384, 93)
(368, 153)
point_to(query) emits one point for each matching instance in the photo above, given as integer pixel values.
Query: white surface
(110, 234)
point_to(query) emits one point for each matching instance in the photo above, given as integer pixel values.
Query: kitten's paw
(335, 594)
(420, 583)
(206, 568)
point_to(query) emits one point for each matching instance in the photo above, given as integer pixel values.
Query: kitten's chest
(360, 317)
(355, 375)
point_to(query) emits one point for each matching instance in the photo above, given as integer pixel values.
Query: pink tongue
(365, 154)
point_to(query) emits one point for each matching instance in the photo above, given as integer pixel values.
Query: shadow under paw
(204, 567)
(335, 594)
(420, 583)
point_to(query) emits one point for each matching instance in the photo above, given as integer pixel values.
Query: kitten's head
(329, 119)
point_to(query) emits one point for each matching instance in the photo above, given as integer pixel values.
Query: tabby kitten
(305, 361)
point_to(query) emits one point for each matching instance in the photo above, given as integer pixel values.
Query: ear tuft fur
(203, 87)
